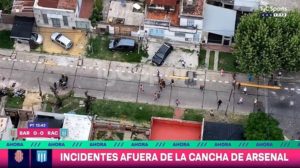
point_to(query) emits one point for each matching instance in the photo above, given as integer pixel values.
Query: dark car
(122, 44)
(162, 53)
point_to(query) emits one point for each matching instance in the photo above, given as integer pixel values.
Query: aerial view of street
(150, 69)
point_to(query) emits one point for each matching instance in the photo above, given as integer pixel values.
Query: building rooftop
(212, 131)
(124, 14)
(59, 4)
(86, 9)
(174, 129)
(173, 17)
(79, 127)
(22, 6)
(162, 2)
(193, 7)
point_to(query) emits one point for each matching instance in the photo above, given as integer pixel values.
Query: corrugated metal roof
(219, 20)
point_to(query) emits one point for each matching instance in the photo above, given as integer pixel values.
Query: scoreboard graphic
(65, 154)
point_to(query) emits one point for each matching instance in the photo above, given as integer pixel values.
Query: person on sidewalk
(177, 102)
(222, 72)
(158, 94)
(245, 90)
(255, 101)
(211, 113)
(234, 76)
(141, 88)
(201, 87)
(219, 103)
(239, 86)
(234, 83)
(155, 96)
(172, 82)
(241, 100)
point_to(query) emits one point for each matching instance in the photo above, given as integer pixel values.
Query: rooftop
(124, 14)
(193, 7)
(59, 4)
(22, 6)
(212, 131)
(79, 127)
(173, 17)
(174, 129)
(22, 27)
(162, 2)
(86, 9)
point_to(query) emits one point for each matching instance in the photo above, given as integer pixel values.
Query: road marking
(110, 70)
(15, 60)
(154, 74)
(84, 67)
(195, 79)
(207, 80)
(21, 60)
(298, 89)
(9, 59)
(117, 70)
(226, 82)
(200, 79)
(90, 67)
(123, 71)
(3, 59)
(71, 66)
(103, 69)
(293, 89)
(33, 62)
(97, 69)
(214, 81)
(27, 61)
(286, 88)
(129, 72)
(220, 81)
(40, 62)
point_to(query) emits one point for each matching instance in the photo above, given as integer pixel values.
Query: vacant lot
(5, 40)
(99, 49)
(227, 62)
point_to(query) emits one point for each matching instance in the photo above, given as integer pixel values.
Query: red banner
(38, 132)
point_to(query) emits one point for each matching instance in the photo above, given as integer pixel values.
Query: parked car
(37, 38)
(122, 44)
(162, 53)
(62, 40)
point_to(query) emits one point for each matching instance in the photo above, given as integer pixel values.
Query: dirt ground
(32, 100)
(78, 38)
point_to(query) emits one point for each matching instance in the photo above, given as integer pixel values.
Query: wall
(197, 22)
(60, 13)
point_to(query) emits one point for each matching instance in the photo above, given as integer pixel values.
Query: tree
(6, 5)
(261, 126)
(265, 45)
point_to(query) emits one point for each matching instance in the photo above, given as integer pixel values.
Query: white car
(62, 40)
(37, 38)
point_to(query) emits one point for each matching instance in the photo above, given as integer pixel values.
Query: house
(22, 29)
(125, 18)
(174, 20)
(219, 25)
(212, 131)
(63, 13)
(175, 129)
(5, 127)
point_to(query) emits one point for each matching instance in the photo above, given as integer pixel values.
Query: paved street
(120, 81)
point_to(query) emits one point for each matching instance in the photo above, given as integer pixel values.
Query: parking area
(184, 55)
(78, 38)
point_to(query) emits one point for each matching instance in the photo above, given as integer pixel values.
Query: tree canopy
(261, 126)
(264, 45)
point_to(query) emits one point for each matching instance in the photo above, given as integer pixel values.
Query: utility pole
(139, 40)
(40, 89)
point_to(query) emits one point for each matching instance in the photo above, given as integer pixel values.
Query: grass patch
(69, 105)
(99, 49)
(6, 41)
(201, 55)
(14, 102)
(120, 135)
(193, 115)
(128, 111)
(227, 62)
(211, 60)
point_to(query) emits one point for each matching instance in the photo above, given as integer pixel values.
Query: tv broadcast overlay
(150, 154)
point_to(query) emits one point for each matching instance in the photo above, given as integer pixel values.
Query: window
(190, 23)
(65, 19)
(45, 19)
(180, 34)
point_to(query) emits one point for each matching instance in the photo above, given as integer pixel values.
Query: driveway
(78, 38)
(182, 51)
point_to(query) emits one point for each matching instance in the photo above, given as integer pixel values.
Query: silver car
(62, 40)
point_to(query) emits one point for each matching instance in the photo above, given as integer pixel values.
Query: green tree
(261, 126)
(264, 45)
(6, 5)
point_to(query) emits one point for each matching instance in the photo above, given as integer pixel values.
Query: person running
(172, 82)
(155, 96)
(219, 103)
(241, 100)
(55, 86)
(201, 87)
(177, 102)
(234, 76)
(245, 90)
(141, 88)
(222, 72)
(163, 83)
(239, 85)
(234, 83)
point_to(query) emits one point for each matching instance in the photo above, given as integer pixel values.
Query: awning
(219, 20)
(22, 28)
